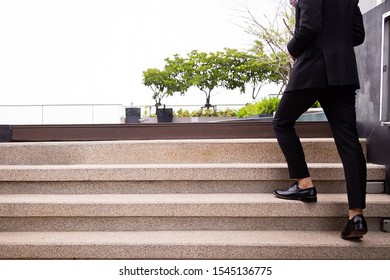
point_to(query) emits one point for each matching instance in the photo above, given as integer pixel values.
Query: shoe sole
(355, 235)
(308, 199)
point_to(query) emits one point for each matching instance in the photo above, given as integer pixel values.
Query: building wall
(368, 97)
(366, 5)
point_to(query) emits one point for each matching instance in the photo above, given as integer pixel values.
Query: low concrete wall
(189, 119)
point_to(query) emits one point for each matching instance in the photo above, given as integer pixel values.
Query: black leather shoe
(355, 228)
(295, 193)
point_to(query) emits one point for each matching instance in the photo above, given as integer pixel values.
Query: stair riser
(241, 151)
(158, 187)
(65, 224)
(255, 207)
(123, 251)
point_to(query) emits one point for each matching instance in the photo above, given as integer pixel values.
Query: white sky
(94, 51)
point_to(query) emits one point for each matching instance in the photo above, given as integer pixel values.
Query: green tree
(230, 69)
(254, 71)
(160, 82)
(165, 82)
(206, 71)
(180, 72)
(234, 72)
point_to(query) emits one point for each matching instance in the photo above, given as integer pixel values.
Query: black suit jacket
(325, 34)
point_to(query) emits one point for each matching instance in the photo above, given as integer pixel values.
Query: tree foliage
(271, 40)
(208, 71)
(267, 61)
(161, 82)
(230, 69)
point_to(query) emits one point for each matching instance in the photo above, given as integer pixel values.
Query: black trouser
(339, 106)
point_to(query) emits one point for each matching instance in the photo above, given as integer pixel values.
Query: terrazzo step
(166, 151)
(175, 172)
(179, 211)
(192, 245)
(177, 199)
(159, 187)
(76, 224)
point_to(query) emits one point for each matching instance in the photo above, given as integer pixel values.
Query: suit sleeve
(358, 28)
(308, 27)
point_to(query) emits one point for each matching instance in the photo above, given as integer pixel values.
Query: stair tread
(158, 151)
(177, 198)
(173, 165)
(192, 245)
(217, 238)
(253, 238)
(181, 205)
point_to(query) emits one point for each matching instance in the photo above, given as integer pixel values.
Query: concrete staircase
(177, 199)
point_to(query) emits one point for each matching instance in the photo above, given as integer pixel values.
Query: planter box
(164, 115)
(133, 115)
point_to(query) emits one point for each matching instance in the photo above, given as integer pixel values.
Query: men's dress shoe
(355, 228)
(295, 193)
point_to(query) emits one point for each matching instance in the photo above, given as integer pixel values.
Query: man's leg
(339, 107)
(291, 107)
